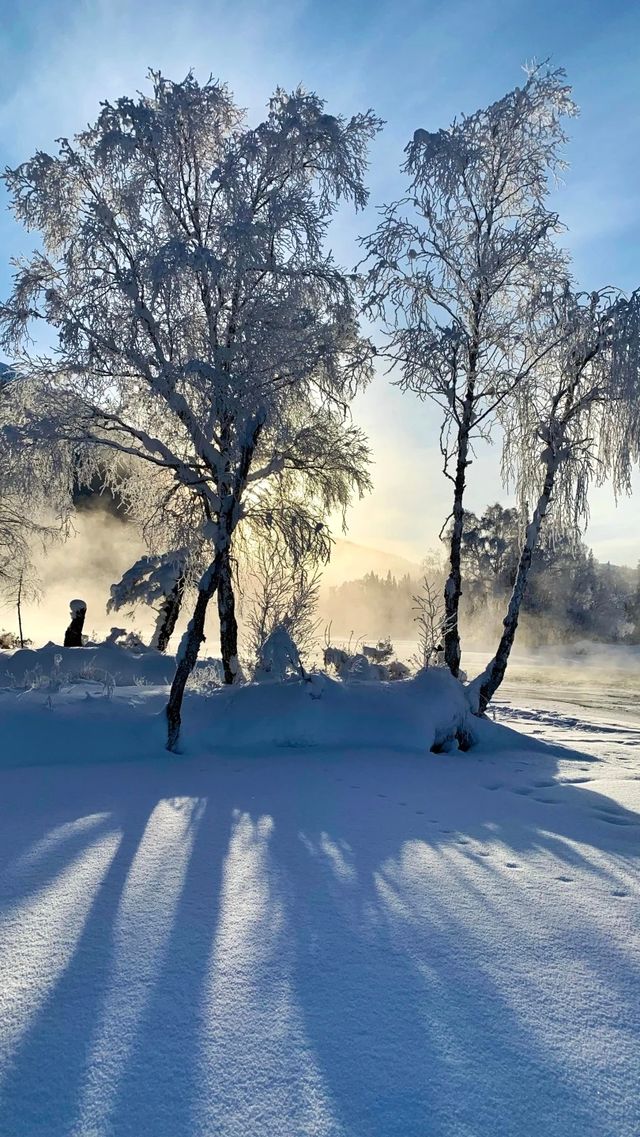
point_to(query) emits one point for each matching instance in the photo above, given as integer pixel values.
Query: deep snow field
(310, 924)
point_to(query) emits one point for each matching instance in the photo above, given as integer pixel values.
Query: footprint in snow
(494, 786)
(619, 892)
(611, 818)
(564, 879)
(511, 865)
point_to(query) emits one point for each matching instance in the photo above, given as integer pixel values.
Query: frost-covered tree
(283, 591)
(457, 269)
(201, 325)
(488, 544)
(19, 585)
(430, 621)
(633, 610)
(158, 581)
(578, 423)
(35, 495)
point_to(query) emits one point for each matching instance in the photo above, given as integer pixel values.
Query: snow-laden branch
(198, 320)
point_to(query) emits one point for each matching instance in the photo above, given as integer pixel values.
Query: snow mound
(90, 722)
(426, 712)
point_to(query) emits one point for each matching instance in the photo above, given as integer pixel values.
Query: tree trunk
(73, 634)
(453, 587)
(19, 607)
(496, 671)
(189, 648)
(194, 635)
(228, 622)
(168, 615)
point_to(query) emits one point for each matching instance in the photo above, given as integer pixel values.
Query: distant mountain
(350, 561)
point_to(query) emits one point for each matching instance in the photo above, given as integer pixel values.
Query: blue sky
(417, 64)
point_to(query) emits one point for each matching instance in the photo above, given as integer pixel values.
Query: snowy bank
(416, 714)
(80, 723)
(111, 663)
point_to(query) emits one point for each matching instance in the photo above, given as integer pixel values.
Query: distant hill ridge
(350, 561)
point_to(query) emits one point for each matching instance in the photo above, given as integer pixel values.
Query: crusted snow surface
(301, 937)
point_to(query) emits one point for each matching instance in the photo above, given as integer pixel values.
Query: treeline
(570, 595)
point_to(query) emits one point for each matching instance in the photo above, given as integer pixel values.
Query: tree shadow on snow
(345, 951)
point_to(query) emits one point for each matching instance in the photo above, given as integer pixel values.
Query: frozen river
(590, 702)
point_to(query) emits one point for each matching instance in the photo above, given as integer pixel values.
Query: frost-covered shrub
(9, 641)
(381, 653)
(206, 678)
(432, 624)
(278, 657)
(283, 591)
(158, 581)
(372, 663)
(130, 641)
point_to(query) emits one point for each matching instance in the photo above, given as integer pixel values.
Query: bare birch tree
(283, 592)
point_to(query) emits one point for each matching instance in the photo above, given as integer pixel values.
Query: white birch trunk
(189, 648)
(453, 587)
(495, 672)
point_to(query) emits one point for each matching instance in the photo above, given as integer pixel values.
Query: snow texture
(52, 664)
(335, 940)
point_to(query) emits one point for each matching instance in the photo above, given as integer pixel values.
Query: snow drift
(87, 722)
(427, 711)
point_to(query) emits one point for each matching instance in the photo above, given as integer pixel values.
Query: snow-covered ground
(284, 940)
